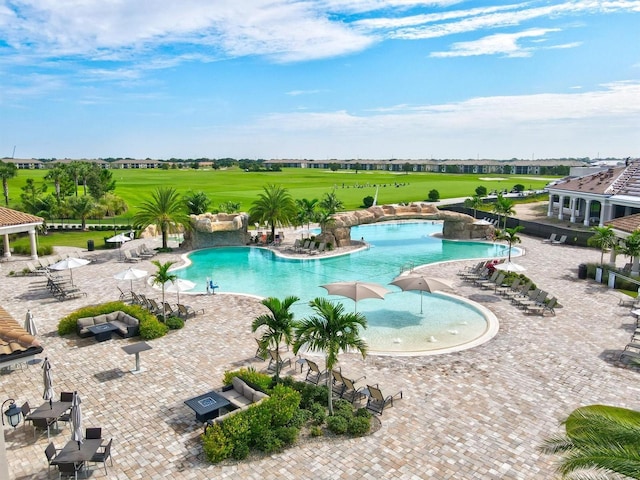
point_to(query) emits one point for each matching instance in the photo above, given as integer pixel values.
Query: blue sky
(319, 79)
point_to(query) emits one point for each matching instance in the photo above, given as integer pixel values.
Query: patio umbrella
(120, 238)
(47, 380)
(421, 283)
(356, 291)
(30, 325)
(69, 264)
(131, 274)
(76, 419)
(178, 285)
(510, 267)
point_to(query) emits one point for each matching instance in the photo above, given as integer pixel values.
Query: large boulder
(217, 230)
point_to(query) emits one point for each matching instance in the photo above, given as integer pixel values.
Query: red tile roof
(15, 342)
(10, 217)
(628, 224)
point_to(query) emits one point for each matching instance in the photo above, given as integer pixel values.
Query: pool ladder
(407, 267)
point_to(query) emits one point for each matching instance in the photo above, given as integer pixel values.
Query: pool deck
(479, 413)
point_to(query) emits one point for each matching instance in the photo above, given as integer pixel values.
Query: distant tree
(368, 201)
(99, 181)
(307, 210)
(631, 248)
(503, 207)
(407, 167)
(57, 175)
(30, 191)
(166, 210)
(325, 219)
(82, 207)
(274, 206)
(334, 167)
(112, 205)
(7, 171)
(197, 203)
(331, 202)
(357, 166)
(229, 207)
(162, 277)
(474, 202)
(434, 195)
(604, 238)
(43, 206)
(481, 191)
(518, 187)
(510, 235)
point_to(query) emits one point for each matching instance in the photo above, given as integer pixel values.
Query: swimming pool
(395, 324)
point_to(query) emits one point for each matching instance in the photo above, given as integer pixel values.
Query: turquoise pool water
(395, 324)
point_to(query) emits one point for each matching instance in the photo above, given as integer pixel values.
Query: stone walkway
(480, 413)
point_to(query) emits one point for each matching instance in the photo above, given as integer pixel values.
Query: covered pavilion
(13, 221)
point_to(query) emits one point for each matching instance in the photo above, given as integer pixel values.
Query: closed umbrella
(510, 267)
(69, 264)
(131, 274)
(356, 291)
(421, 283)
(47, 380)
(76, 419)
(30, 325)
(178, 285)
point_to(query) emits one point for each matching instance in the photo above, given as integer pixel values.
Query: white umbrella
(120, 238)
(482, 222)
(69, 264)
(47, 379)
(178, 285)
(421, 283)
(76, 419)
(356, 291)
(510, 267)
(131, 274)
(30, 325)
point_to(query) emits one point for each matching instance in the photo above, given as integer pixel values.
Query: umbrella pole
(421, 295)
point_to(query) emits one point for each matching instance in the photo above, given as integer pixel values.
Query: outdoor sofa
(128, 326)
(241, 396)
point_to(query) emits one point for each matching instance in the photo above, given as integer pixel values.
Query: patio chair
(51, 451)
(154, 307)
(525, 303)
(69, 469)
(551, 238)
(170, 311)
(519, 291)
(497, 282)
(93, 433)
(502, 289)
(337, 383)
(125, 296)
(130, 258)
(104, 455)
(540, 308)
(276, 361)
(314, 374)
(378, 402)
(186, 311)
(260, 353)
(481, 281)
(352, 393)
(25, 409)
(562, 240)
(43, 424)
(141, 253)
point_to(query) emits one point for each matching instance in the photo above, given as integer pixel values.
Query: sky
(319, 79)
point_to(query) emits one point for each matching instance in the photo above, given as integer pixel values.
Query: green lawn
(236, 185)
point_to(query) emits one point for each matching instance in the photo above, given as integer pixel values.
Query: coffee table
(207, 405)
(102, 331)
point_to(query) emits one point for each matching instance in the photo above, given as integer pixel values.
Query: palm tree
(330, 330)
(331, 202)
(197, 202)
(161, 277)
(325, 219)
(274, 206)
(57, 174)
(510, 235)
(7, 171)
(82, 207)
(165, 210)
(474, 202)
(600, 442)
(631, 248)
(307, 210)
(277, 325)
(604, 239)
(504, 207)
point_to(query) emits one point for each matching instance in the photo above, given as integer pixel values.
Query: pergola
(12, 221)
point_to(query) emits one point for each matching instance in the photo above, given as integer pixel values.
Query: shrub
(363, 412)
(359, 426)
(367, 201)
(251, 376)
(269, 442)
(318, 413)
(215, 444)
(287, 435)
(300, 417)
(434, 195)
(43, 250)
(240, 451)
(174, 323)
(337, 424)
(283, 403)
(316, 431)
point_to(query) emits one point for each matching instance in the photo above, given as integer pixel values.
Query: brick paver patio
(479, 413)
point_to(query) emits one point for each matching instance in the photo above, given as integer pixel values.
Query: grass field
(236, 185)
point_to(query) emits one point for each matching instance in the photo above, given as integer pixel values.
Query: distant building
(26, 164)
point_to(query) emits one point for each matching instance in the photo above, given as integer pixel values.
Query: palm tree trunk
(164, 237)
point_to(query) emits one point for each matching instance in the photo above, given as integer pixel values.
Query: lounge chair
(378, 402)
(154, 308)
(520, 291)
(141, 253)
(130, 258)
(551, 238)
(504, 289)
(562, 239)
(186, 311)
(481, 281)
(337, 383)
(314, 374)
(497, 282)
(540, 308)
(125, 296)
(136, 300)
(170, 312)
(532, 301)
(631, 350)
(352, 393)
(276, 361)
(261, 354)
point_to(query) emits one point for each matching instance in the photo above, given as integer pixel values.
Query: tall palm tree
(331, 202)
(510, 235)
(604, 238)
(161, 277)
(631, 248)
(57, 174)
(503, 207)
(330, 330)
(277, 325)
(600, 442)
(274, 206)
(74, 170)
(307, 210)
(82, 207)
(165, 210)
(474, 202)
(7, 171)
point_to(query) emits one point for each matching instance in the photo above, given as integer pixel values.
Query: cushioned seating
(128, 326)
(241, 396)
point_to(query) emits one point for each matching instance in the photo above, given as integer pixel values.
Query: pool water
(395, 324)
